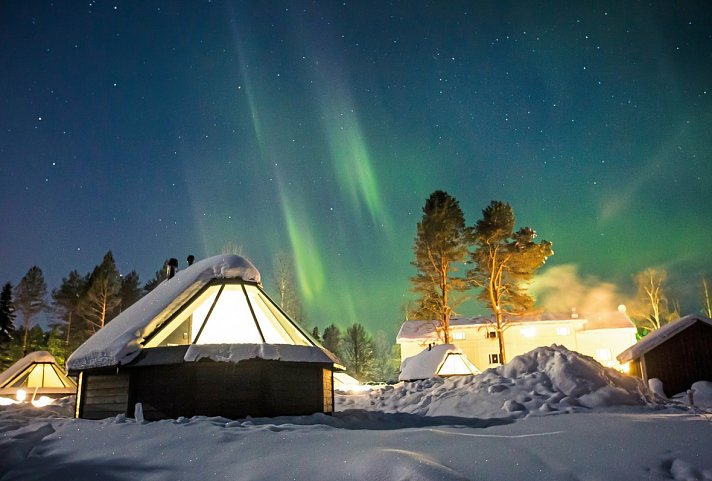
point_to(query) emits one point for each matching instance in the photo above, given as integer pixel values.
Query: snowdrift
(544, 380)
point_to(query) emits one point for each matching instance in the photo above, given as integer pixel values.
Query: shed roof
(659, 336)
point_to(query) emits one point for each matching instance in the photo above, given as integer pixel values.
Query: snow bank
(119, 341)
(544, 380)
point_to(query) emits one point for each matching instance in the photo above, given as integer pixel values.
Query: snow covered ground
(549, 415)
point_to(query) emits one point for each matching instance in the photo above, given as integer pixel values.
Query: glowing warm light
(528, 331)
(6, 401)
(624, 368)
(563, 331)
(21, 395)
(42, 402)
(603, 354)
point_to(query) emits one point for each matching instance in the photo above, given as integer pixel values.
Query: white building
(600, 335)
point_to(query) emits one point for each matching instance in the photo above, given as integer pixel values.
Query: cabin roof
(426, 330)
(119, 341)
(659, 336)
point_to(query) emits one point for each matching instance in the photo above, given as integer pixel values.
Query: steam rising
(561, 289)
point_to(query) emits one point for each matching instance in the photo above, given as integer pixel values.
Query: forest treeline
(84, 303)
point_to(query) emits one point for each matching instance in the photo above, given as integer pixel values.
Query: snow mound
(546, 379)
(703, 394)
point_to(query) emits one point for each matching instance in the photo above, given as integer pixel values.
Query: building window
(528, 331)
(603, 354)
(494, 358)
(563, 331)
(458, 335)
(491, 335)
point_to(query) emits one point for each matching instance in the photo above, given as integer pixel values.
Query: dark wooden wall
(251, 388)
(103, 395)
(682, 359)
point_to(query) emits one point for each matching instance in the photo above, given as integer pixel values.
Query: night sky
(162, 129)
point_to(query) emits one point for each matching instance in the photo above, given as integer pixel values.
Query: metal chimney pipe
(172, 267)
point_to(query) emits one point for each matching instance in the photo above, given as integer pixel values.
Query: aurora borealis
(162, 129)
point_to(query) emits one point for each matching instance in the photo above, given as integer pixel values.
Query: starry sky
(318, 128)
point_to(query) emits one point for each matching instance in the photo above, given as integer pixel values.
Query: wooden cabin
(678, 354)
(37, 374)
(208, 341)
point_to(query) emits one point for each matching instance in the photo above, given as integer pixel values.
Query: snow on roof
(417, 330)
(235, 353)
(119, 341)
(343, 379)
(659, 336)
(426, 330)
(24, 363)
(428, 363)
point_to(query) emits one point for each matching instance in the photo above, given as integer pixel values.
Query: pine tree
(129, 291)
(358, 352)
(160, 276)
(102, 296)
(66, 304)
(385, 363)
(504, 263)
(30, 296)
(440, 243)
(315, 333)
(332, 339)
(7, 314)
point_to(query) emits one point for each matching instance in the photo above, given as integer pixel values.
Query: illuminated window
(563, 331)
(603, 354)
(229, 314)
(494, 358)
(528, 331)
(458, 335)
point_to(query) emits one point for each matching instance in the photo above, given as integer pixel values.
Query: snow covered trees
(440, 244)
(504, 262)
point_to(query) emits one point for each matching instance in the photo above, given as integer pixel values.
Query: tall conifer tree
(30, 296)
(357, 352)
(66, 302)
(440, 244)
(102, 296)
(504, 262)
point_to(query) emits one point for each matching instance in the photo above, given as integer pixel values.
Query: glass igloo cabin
(208, 341)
